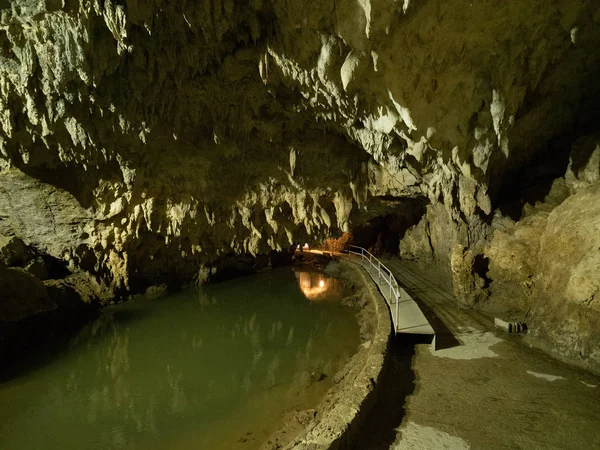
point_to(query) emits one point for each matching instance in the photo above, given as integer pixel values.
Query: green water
(211, 369)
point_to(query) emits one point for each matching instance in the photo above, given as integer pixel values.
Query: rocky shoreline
(335, 422)
(39, 299)
(44, 298)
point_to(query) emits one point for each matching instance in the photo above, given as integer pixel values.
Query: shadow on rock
(427, 290)
(378, 432)
(443, 336)
(34, 342)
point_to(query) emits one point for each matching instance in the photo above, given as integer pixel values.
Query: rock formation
(148, 142)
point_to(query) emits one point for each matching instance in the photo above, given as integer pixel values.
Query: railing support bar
(376, 266)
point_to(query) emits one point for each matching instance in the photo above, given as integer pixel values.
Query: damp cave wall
(148, 142)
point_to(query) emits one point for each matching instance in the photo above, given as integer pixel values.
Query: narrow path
(437, 303)
(483, 390)
(406, 315)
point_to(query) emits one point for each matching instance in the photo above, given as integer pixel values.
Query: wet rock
(78, 290)
(416, 243)
(22, 295)
(313, 261)
(156, 291)
(32, 312)
(316, 377)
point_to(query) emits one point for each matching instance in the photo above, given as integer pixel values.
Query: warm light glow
(318, 287)
(313, 285)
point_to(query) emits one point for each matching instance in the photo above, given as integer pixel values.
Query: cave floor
(482, 388)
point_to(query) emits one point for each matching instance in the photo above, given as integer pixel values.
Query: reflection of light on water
(316, 286)
(312, 284)
(225, 363)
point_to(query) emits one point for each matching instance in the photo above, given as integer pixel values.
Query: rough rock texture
(144, 142)
(545, 266)
(566, 304)
(338, 419)
(32, 312)
(22, 295)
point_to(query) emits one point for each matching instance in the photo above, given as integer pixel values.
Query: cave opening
(382, 234)
(531, 178)
(531, 183)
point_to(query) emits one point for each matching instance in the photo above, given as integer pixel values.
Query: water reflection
(316, 286)
(185, 371)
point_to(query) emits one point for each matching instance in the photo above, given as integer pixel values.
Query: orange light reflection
(317, 287)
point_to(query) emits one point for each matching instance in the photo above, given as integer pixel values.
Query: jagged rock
(567, 287)
(148, 142)
(584, 163)
(416, 243)
(22, 295)
(38, 268)
(140, 134)
(434, 236)
(513, 261)
(468, 285)
(546, 265)
(13, 252)
(513, 252)
(76, 291)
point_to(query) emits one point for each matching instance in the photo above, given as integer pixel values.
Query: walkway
(483, 389)
(407, 317)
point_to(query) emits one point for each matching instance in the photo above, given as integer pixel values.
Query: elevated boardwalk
(407, 317)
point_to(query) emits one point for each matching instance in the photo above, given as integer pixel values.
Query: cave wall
(547, 263)
(146, 141)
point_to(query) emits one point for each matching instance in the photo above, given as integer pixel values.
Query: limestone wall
(142, 142)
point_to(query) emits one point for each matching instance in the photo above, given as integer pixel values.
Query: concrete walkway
(482, 389)
(407, 317)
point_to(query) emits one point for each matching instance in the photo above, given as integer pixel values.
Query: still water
(215, 368)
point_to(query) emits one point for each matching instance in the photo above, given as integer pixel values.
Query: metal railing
(384, 275)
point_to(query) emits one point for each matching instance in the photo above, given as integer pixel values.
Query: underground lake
(214, 367)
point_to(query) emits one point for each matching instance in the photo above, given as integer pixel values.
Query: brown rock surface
(146, 143)
(22, 295)
(567, 286)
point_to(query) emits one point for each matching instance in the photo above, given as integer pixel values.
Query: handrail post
(393, 289)
(397, 302)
